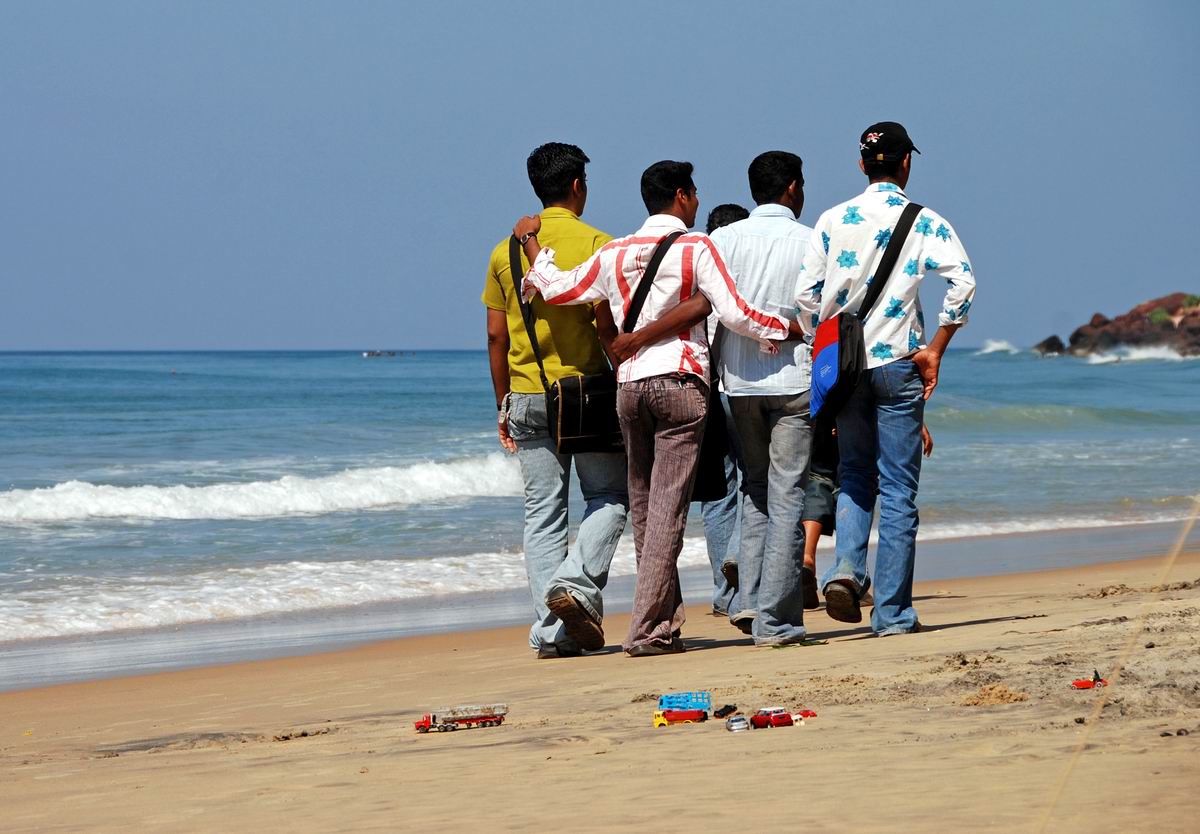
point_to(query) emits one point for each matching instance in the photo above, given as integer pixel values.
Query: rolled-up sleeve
(810, 284)
(564, 286)
(713, 279)
(948, 259)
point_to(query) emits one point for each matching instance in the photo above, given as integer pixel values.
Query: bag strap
(887, 264)
(714, 349)
(527, 314)
(643, 290)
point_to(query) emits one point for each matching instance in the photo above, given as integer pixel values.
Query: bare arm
(929, 360)
(497, 342)
(606, 329)
(531, 225)
(682, 317)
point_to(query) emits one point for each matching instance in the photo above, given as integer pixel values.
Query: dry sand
(970, 723)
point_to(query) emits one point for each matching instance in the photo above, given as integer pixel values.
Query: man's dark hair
(660, 182)
(772, 172)
(878, 169)
(552, 168)
(723, 215)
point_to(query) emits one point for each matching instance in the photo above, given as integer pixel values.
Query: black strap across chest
(527, 314)
(643, 290)
(887, 264)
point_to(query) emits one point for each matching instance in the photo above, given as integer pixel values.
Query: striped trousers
(662, 419)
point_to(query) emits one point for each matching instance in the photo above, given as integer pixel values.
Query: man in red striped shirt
(663, 398)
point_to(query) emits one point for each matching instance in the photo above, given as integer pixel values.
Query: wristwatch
(525, 237)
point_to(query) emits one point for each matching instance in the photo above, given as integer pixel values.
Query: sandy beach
(970, 723)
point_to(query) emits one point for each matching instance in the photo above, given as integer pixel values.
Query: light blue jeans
(879, 437)
(720, 522)
(582, 569)
(776, 439)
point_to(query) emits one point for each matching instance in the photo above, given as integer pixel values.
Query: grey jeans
(662, 419)
(582, 569)
(776, 441)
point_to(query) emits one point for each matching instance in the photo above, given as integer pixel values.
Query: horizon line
(9, 351)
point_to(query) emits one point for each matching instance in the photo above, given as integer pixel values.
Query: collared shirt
(844, 250)
(691, 265)
(764, 253)
(566, 335)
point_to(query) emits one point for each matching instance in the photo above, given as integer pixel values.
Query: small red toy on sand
(771, 717)
(448, 720)
(1095, 683)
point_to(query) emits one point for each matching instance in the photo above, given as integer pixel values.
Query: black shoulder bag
(581, 409)
(839, 353)
(711, 482)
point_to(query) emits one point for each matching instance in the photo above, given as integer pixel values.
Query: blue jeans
(879, 438)
(720, 522)
(776, 441)
(582, 569)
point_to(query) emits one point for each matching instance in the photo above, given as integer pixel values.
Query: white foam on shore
(80, 606)
(353, 489)
(1157, 353)
(997, 346)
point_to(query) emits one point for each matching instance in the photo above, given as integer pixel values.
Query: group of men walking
(739, 305)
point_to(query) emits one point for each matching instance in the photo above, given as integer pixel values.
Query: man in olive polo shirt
(566, 584)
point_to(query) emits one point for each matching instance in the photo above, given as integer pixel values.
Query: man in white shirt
(663, 397)
(879, 428)
(768, 397)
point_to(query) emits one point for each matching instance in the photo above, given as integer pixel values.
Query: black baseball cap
(885, 142)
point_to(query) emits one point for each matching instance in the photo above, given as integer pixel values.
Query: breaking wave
(997, 346)
(352, 489)
(1157, 353)
(84, 605)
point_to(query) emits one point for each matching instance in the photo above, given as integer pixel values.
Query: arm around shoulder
(684, 316)
(714, 280)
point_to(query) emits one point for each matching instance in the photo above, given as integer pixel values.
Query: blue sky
(324, 175)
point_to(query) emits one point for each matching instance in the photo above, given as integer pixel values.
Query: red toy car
(771, 717)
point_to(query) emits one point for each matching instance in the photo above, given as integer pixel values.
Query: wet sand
(970, 723)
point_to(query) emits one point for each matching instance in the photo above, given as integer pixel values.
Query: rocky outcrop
(1172, 321)
(1051, 346)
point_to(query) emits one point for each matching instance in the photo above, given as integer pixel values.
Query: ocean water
(149, 491)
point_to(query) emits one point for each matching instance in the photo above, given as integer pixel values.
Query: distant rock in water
(1051, 346)
(1172, 321)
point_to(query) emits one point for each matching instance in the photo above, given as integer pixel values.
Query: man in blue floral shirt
(879, 429)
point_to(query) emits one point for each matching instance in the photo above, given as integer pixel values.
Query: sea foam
(1156, 353)
(997, 346)
(352, 489)
(80, 606)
